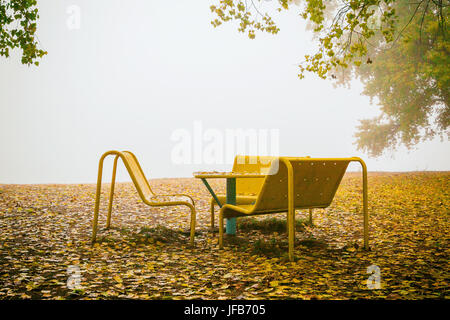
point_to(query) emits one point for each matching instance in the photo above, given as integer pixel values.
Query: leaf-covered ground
(46, 229)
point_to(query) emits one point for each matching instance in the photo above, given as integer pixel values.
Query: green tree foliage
(398, 49)
(17, 30)
(410, 79)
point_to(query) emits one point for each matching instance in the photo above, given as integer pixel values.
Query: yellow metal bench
(142, 187)
(247, 189)
(297, 183)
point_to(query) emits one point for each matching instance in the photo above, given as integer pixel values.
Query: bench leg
(97, 199)
(111, 192)
(193, 220)
(95, 220)
(220, 229)
(291, 211)
(291, 232)
(212, 213)
(365, 204)
(310, 216)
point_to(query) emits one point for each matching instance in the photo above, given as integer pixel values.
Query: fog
(135, 72)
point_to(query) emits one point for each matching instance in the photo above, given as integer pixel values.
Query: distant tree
(399, 49)
(18, 20)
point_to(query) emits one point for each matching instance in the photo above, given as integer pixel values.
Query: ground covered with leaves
(46, 229)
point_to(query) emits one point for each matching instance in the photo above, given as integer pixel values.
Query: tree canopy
(18, 21)
(398, 49)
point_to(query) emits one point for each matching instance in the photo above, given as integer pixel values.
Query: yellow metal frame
(236, 211)
(134, 171)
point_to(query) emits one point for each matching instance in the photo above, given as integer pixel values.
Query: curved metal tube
(365, 202)
(138, 188)
(291, 209)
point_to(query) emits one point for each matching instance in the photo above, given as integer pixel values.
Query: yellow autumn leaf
(408, 230)
(274, 283)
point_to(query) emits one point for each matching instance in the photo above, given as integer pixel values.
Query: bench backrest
(251, 164)
(137, 175)
(315, 183)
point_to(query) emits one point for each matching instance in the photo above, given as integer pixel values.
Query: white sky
(136, 71)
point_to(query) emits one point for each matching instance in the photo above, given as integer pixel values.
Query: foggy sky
(136, 71)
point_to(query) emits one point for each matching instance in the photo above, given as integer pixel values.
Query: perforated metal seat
(297, 183)
(247, 189)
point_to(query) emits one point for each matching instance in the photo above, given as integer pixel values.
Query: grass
(269, 225)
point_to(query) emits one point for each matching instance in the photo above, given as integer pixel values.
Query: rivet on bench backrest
(328, 178)
(312, 163)
(324, 163)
